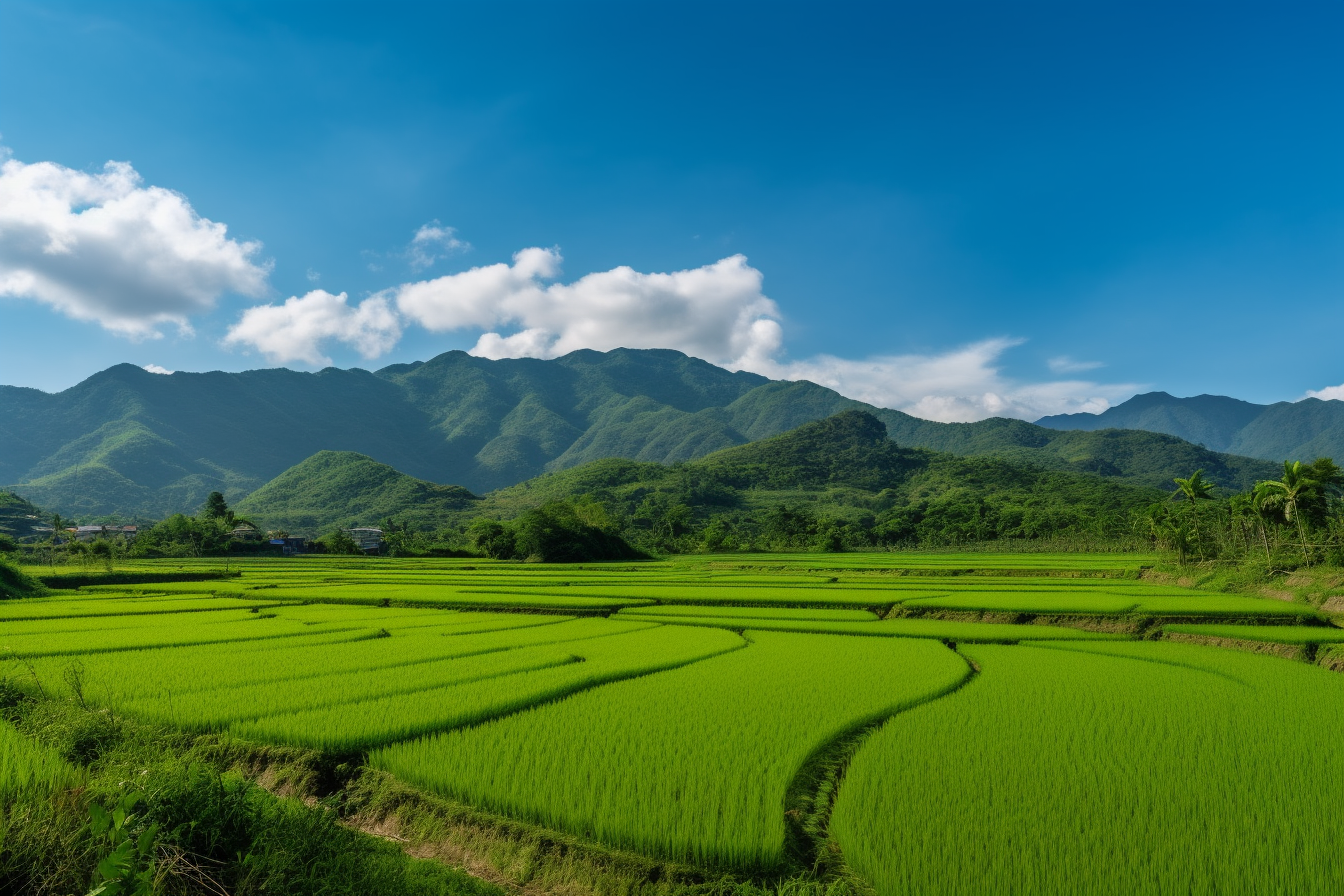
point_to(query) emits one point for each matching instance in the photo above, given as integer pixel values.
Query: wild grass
(27, 767)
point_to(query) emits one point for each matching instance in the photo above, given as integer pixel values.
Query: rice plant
(691, 764)
(366, 723)
(1126, 768)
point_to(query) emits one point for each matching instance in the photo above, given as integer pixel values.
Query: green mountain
(1289, 430)
(841, 472)
(348, 489)
(20, 518)
(129, 442)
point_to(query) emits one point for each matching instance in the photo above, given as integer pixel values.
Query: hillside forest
(837, 484)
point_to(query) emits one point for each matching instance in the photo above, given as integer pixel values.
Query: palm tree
(1194, 490)
(1286, 494)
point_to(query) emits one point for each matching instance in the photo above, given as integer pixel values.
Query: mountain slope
(1293, 430)
(130, 442)
(841, 468)
(344, 488)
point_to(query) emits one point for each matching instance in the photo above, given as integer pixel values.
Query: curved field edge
(582, 765)
(1164, 775)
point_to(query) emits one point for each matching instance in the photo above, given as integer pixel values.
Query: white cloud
(154, 368)
(1329, 393)
(958, 386)
(720, 313)
(1065, 364)
(296, 330)
(716, 312)
(432, 242)
(313, 276)
(102, 247)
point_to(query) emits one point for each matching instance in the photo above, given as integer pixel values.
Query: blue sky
(958, 209)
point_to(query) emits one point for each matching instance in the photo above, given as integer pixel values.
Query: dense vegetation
(836, 484)
(342, 488)
(1296, 519)
(145, 445)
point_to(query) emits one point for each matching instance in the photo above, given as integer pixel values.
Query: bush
(14, 584)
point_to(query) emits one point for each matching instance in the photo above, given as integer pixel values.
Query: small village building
(369, 539)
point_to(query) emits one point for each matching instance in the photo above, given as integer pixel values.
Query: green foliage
(339, 541)
(14, 583)
(127, 867)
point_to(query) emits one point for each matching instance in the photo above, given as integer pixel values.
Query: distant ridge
(1288, 430)
(130, 442)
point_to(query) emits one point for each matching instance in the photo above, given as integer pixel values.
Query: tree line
(1295, 520)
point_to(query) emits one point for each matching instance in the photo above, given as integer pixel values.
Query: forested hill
(131, 442)
(348, 489)
(843, 476)
(1288, 430)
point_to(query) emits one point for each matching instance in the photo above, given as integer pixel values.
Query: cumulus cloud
(957, 386)
(1065, 364)
(716, 312)
(102, 247)
(432, 242)
(296, 330)
(154, 368)
(1329, 393)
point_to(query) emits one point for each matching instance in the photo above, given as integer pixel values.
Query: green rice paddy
(671, 708)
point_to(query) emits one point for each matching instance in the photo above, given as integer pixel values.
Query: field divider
(1141, 659)
(811, 794)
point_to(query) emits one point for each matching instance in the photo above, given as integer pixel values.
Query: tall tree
(1194, 490)
(216, 508)
(1288, 494)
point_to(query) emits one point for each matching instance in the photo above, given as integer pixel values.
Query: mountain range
(843, 469)
(1287, 430)
(138, 444)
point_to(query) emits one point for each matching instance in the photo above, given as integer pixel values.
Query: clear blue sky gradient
(1159, 187)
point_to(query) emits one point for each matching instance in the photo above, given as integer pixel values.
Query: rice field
(1272, 634)
(667, 708)
(1153, 768)
(714, 800)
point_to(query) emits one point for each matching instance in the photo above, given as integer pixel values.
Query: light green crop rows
(1070, 771)
(1274, 634)
(691, 764)
(745, 595)
(680, 611)
(447, 595)
(57, 608)
(943, 630)
(1109, 604)
(144, 676)
(353, 726)
(172, 630)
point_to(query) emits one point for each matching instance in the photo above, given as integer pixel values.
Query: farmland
(909, 723)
